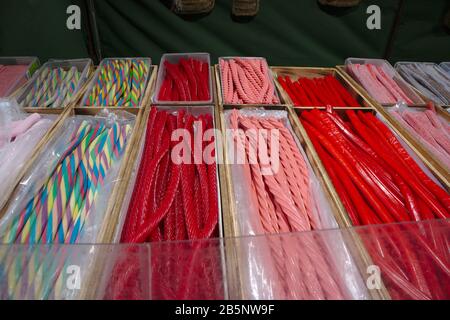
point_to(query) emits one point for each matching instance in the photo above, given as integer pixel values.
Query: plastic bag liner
(19, 134)
(85, 227)
(401, 109)
(265, 277)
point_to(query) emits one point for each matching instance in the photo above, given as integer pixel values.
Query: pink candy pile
(378, 83)
(433, 131)
(247, 81)
(9, 75)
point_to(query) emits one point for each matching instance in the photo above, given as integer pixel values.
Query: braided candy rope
(58, 211)
(53, 88)
(284, 202)
(320, 91)
(172, 201)
(119, 83)
(187, 80)
(247, 81)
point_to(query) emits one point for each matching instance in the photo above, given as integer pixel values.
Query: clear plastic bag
(20, 133)
(264, 276)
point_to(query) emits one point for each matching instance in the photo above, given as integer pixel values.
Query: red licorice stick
(296, 94)
(337, 146)
(192, 81)
(334, 92)
(388, 196)
(345, 95)
(364, 213)
(322, 92)
(305, 101)
(309, 91)
(288, 90)
(440, 193)
(382, 149)
(414, 176)
(318, 98)
(330, 164)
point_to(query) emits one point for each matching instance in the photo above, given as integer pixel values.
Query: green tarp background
(287, 32)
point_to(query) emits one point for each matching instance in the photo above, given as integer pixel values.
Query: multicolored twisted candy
(187, 80)
(53, 88)
(58, 211)
(120, 82)
(247, 81)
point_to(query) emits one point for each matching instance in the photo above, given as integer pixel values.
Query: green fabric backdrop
(287, 32)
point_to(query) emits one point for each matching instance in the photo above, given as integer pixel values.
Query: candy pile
(187, 80)
(321, 91)
(119, 83)
(433, 130)
(247, 81)
(375, 177)
(173, 199)
(429, 79)
(57, 212)
(9, 75)
(52, 88)
(378, 83)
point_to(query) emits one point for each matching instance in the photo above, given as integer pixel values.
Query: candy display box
(30, 91)
(220, 88)
(239, 222)
(419, 91)
(32, 64)
(391, 72)
(146, 84)
(316, 72)
(123, 197)
(174, 58)
(343, 217)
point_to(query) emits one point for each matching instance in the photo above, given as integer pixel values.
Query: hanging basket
(245, 7)
(340, 3)
(193, 6)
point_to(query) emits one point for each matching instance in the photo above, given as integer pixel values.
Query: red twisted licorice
(186, 80)
(162, 206)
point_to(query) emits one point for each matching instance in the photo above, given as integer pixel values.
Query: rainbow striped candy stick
(97, 170)
(19, 221)
(37, 83)
(127, 82)
(9, 262)
(22, 283)
(119, 78)
(64, 88)
(62, 188)
(98, 166)
(81, 187)
(14, 264)
(41, 91)
(135, 76)
(50, 95)
(41, 278)
(144, 70)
